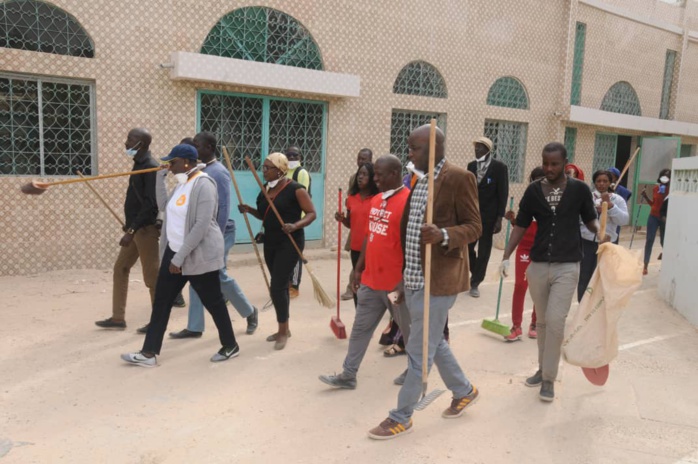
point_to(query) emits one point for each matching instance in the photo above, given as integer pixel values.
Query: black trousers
(354, 259)
(587, 266)
(281, 258)
(478, 262)
(207, 286)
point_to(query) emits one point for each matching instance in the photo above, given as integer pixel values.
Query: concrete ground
(65, 396)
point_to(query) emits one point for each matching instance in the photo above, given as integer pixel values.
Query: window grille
(509, 145)
(509, 93)
(669, 64)
(46, 127)
(420, 78)
(621, 98)
(255, 126)
(604, 151)
(570, 142)
(263, 34)
(40, 27)
(402, 123)
(578, 63)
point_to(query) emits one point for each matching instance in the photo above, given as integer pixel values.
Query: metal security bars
(669, 65)
(509, 140)
(509, 93)
(570, 142)
(46, 127)
(621, 98)
(255, 126)
(604, 151)
(420, 78)
(40, 27)
(263, 34)
(578, 63)
(402, 123)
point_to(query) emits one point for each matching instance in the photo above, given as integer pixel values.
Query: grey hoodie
(202, 250)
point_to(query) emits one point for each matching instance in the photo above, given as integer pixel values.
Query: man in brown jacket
(456, 223)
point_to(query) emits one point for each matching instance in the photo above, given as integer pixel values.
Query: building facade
(602, 76)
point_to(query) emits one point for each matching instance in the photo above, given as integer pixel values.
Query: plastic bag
(591, 335)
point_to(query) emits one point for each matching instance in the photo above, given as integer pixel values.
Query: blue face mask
(131, 152)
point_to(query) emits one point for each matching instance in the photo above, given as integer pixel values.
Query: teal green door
(656, 154)
(604, 152)
(254, 126)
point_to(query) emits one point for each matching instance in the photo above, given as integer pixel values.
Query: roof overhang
(594, 117)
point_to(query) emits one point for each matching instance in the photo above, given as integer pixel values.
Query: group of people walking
(555, 236)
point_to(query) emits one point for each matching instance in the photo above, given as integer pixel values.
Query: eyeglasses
(265, 168)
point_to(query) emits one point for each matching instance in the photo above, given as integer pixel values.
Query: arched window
(621, 98)
(420, 78)
(263, 34)
(509, 93)
(40, 27)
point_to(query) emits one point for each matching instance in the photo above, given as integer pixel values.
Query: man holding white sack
(556, 202)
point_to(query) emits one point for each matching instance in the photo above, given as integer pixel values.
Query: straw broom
(320, 294)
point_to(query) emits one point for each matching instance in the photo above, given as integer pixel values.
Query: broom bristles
(321, 295)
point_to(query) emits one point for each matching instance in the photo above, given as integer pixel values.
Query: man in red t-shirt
(379, 269)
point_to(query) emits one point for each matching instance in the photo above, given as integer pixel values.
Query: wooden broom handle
(427, 250)
(105, 176)
(627, 166)
(247, 220)
(602, 221)
(116, 216)
(272, 206)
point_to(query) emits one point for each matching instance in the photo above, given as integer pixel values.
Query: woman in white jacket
(617, 216)
(191, 250)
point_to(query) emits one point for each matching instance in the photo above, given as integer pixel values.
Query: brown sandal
(394, 350)
(272, 337)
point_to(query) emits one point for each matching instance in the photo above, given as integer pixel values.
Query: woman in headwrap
(291, 200)
(574, 171)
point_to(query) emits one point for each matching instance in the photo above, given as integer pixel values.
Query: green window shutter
(578, 63)
(420, 78)
(570, 142)
(509, 145)
(40, 27)
(509, 93)
(403, 122)
(621, 98)
(265, 35)
(604, 152)
(669, 65)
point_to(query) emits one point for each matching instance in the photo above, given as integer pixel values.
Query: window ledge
(594, 117)
(231, 71)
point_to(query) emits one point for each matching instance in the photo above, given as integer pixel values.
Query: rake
(320, 294)
(427, 399)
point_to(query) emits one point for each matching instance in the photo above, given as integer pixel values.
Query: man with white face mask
(299, 174)
(493, 190)
(141, 236)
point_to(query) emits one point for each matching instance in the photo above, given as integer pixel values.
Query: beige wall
(470, 43)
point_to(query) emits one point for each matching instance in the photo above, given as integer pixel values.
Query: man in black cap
(493, 190)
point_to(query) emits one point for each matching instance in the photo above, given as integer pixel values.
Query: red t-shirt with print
(384, 256)
(358, 219)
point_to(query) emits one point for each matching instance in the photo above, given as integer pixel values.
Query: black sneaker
(252, 321)
(339, 381)
(111, 324)
(143, 330)
(547, 391)
(185, 333)
(179, 301)
(535, 380)
(226, 353)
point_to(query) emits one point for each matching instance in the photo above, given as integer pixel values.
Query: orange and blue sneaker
(458, 405)
(389, 429)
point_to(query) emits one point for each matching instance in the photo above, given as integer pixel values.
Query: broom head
(495, 326)
(34, 188)
(320, 294)
(337, 326)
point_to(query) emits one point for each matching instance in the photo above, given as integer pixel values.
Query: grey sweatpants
(552, 287)
(370, 308)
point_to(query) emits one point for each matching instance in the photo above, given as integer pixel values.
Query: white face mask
(480, 160)
(664, 179)
(272, 183)
(131, 152)
(410, 167)
(293, 164)
(183, 177)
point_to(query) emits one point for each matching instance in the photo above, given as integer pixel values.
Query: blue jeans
(439, 353)
(653, 223)
(229, 287)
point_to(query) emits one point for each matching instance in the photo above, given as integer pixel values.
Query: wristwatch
(444, 243)
(131, 231)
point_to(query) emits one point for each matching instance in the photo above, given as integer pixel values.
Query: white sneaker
(140, 360)
(226, 353)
